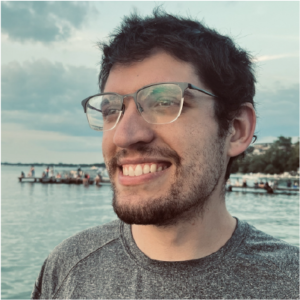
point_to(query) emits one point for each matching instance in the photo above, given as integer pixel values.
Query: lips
(145, 168)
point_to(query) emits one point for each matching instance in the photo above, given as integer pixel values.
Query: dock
(53, 180)
(277, 190)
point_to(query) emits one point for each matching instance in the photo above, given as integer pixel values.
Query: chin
(178, 204)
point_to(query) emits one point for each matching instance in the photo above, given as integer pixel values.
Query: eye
(165, 102)
(109, 112)
(110, 108)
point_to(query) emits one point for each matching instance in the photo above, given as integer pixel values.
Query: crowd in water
(31, 173)
(79, 174)
(270, 185)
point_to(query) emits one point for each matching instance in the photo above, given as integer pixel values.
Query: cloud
(28, 145)
(42, 21)
(278, 112)
(72, 124)
(45, 95)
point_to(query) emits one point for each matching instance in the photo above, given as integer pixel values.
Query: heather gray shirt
(104, 262)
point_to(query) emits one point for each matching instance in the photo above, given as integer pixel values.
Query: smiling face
(162, 173)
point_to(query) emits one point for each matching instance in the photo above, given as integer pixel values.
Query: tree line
(54, 165)
(282, 156)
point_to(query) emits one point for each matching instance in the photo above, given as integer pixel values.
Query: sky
(50, 62)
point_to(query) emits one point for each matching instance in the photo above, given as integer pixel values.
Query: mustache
(145, 151)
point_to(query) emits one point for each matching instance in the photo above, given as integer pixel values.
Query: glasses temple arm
(193, 87)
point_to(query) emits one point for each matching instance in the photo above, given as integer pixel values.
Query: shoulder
(87, 241)
(259, 242)
(80, 245)
(72, 251)
(269, 252)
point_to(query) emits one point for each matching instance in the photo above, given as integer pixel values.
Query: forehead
(159, 67)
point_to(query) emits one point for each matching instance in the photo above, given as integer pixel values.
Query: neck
(199, 237)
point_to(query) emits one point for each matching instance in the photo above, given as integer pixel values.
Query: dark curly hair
(224, 67)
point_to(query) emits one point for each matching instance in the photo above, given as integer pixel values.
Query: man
(175, 108)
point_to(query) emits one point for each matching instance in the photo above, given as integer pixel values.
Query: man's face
(188, 154)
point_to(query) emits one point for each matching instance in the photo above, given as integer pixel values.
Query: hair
(221, 65)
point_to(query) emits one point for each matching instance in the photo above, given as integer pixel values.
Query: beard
(193, 184)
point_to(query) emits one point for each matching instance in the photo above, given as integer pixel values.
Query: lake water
(37, 217)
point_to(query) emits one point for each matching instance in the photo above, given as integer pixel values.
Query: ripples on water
(37, 217)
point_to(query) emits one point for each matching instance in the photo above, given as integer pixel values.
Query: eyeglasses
(159, 103)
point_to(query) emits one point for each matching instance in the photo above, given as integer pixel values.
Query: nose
(132, 128)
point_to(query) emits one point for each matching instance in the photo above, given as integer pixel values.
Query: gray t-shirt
(104, 262)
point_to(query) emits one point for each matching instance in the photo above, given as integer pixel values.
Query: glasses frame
(183, 86)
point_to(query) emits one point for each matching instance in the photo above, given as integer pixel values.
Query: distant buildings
(261, 148)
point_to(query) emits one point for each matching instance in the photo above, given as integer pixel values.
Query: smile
(141, 169)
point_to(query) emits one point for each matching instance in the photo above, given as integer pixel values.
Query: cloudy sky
(50, 62)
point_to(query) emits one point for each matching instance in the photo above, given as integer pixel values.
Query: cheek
(107, 145)
(196, 140)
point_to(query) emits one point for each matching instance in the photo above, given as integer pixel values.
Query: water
(37, 217)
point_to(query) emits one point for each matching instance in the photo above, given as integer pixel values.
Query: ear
(242, 130)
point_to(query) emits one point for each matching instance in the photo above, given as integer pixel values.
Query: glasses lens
(104, 111)
(160, 104)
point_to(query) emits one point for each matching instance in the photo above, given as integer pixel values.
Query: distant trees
(282, 156)
(54, 165)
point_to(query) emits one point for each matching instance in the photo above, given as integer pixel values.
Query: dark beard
(179, 203)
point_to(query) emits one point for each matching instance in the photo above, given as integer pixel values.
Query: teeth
(153, 168)
(138, 170)
(125, 170)
(146, 169)
(131, 171)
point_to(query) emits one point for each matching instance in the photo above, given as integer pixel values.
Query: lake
(36, 217)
